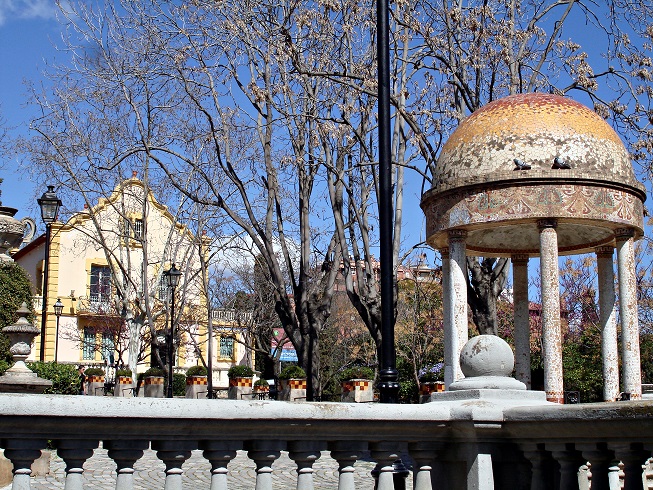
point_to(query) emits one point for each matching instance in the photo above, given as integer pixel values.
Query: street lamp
(49, 204)
(58, 310)
(172, 277)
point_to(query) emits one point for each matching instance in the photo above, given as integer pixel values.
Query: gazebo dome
(480, 188)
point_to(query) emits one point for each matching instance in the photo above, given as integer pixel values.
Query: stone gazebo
(538, 175)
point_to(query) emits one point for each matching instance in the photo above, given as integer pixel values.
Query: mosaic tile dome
(479, 186)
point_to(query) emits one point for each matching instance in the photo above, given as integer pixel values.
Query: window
(88, 345)
(227, 347)
(100, 284)
(139, 229)
(108, 347)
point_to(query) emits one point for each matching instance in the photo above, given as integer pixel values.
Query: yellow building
(119, 248)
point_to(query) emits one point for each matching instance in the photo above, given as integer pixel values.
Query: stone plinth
(357, 391)
(196, 386)
(124, 387)
(153, 387)
(240, 388)
(95, 386)
(293, 389)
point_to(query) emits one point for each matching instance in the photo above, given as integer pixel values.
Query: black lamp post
(172, 280)
(388, 383)
(58, 310)
(49, 204)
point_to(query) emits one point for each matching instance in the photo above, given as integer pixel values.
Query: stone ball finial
(487, 362)
(486, 355)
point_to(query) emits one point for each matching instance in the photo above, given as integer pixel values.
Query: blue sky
(28, 31)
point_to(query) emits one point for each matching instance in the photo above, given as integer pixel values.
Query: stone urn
(12, 231)
(19, 378)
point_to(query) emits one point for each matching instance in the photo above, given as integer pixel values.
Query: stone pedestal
(95, 385)
(153, 387)
(357, 391)
(19, 378)
(196, 386)
(240, 388)
(124, 387)
(293, 390)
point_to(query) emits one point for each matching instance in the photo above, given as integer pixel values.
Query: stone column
(385, 454)
(608, 323)
(173, 454)
(125, 453)
(346, 453)
(570, 460)
(601, 458)
(551, 335)
(264, 453)
(522, 331)
(219, 454)
(632, 376)
(22, 453)
(304, 454)
(75, 452)
(446, 319)
(456, 335)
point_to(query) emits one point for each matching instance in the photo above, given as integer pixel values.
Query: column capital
(519, 258)
(457, 235)
(604, 251)
(444, 252)
(624, 233)
(547, 223)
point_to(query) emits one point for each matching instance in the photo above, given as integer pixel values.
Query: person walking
(82, 380)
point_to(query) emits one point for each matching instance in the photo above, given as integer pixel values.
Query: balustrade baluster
(22, 453)
(304, 454)
(264, 453)
(125, 453)
(219, 454)
(601, 459)
(570, 461)
(423, 454)
(173, 454)
(385, 454)
(75, 452)
(541, 466)
(346, 453)
(634, 457)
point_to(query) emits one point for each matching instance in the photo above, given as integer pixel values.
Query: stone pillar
(601, 458)
(125, 453)
(456, 296)
(22, 453)
(423, 453)
(264, 453)
(634, 457)
(522, 331)
(541, 464)
(385, 454)
(551, 335)
(608, 323)
(304, 454)
(219, 454)
(570, 460)
(75, 453)
(632, 376)
(173, 454)
(346, 453)
(446, 319)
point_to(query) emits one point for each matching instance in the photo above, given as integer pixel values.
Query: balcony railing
(231, 316)
(490, 441)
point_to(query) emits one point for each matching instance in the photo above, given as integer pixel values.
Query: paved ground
(100, 473)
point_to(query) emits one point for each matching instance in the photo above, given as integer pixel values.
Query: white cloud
(27, 9)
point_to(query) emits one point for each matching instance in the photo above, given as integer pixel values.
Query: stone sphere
(486, 355)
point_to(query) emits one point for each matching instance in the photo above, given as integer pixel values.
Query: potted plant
(124, 384)
(196, 381)
(357, 382)
(153, 382)
(240, 381)
(293, 383)
(261, 386)
(95, 381)
(431, 380)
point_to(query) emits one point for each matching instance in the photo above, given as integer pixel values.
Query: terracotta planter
(95, 385)
(240, 388)
(427, 388)
(196, 386)
(293, 389)
(357, 391)
(153, 386)
(124, 387)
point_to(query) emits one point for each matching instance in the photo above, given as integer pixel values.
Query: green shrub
(153, 371)
(261, 382)
(124, 372)
(179, 384)
(292, 372)
(64, 377)
(15, 289)
(240, 372)
(357, 372)
(4, 365)
(196, 371)
(94, 371)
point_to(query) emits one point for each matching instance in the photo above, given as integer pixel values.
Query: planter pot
(240, 388)
(426, 388)
(124, 387)
(357, 391)
(196, 386)
(153, 387)
(293, 389)
(95, 385)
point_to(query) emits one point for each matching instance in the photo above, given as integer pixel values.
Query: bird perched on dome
(560, 163)
(519, 165)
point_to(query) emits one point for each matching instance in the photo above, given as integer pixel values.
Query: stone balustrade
(476, 439)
